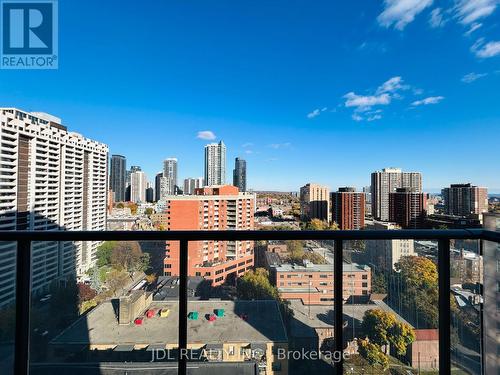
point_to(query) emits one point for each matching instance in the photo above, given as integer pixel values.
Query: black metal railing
(23, 289)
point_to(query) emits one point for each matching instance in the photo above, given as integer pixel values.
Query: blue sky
(306, 91)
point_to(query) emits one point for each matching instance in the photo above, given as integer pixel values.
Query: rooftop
(322, 316)
(310, 267)
(100, 326)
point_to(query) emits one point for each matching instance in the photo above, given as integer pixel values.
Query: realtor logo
(29, 34)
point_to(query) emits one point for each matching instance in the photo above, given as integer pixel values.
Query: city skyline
(337, 93)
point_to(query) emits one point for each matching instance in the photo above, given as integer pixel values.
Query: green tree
(256, 285)
(149, 211)
(104, 252)
(373, 354)
(379, 283)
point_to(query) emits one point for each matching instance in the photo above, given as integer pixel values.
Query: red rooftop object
(212, 318)
(150, 313)
(138, 321)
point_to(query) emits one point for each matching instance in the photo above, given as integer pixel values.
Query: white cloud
(278, 146)
(436, 19)
(383, 96)
(247, 144)
(471, 77)
(401, 12)
(365, 102)
(206, 135)
(392, 85)
(248, 152)
(428, 100)
(367, 116)
(484, 51)
(473, 28)
(469, 11)
(357, 117)
(374, 117)
(314, 113)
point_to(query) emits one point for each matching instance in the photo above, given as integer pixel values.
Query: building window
(276, 366)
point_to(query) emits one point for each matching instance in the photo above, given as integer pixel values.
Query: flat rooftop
(100, 326)
(346, 267)
(322, 316)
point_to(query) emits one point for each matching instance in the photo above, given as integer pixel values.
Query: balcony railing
(23, 286)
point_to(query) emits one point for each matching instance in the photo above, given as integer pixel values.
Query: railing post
(23, 308)
(338, 329)
(183, 306)
(444, 306)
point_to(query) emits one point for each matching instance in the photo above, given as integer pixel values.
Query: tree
(420, 278)
(373, 354)
(400, 336)
(149, 211)
(151, 278)
(316, 224)
(120, 205)
(133, 208)
(116, 280)
(377, 324)
(104, 252)
(379, 282)
(382, 329)
(256, 285)
(85, 293)
(126, 255)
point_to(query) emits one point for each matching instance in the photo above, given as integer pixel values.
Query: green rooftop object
(193, 315)
(219, 312)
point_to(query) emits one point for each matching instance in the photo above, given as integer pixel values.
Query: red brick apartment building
(211, 208)
(313, 283)
(348, 208)
(407, 208)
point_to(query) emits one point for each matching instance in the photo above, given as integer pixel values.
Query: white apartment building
(51, 179)
(386, 253)
(170, 173)
(138, 184)
(215, 164)
(192, 183)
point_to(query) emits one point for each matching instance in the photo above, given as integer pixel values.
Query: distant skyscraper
(150, 194)
(368, 200)
(407, 208)
(348, 208)
(240, 174)
(118, 177)
(158, 177)
(192, 183)
(465, 199)
(170, 173)
(133, 168)
(138, 184)
(385, 182)
(314, 202)
(215, 164)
